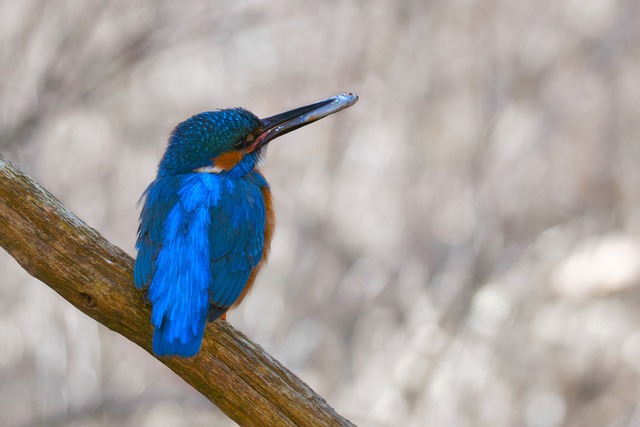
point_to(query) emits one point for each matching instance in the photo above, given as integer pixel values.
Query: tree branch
(56, 247)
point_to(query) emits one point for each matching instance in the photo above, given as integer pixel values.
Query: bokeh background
(460, 248)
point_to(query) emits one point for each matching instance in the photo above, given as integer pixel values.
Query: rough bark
(56, 247)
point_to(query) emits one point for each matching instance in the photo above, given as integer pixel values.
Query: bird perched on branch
(207, 219)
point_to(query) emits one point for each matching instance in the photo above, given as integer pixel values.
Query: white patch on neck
(209, 169)
(261, 156)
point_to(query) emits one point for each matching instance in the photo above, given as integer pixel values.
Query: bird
(207, 219)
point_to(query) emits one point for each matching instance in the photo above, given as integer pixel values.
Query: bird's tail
(168, 341)
(179, 315)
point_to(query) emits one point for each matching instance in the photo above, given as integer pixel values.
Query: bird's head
(216, 141)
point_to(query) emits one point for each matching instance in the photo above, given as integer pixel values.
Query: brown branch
(56, 247)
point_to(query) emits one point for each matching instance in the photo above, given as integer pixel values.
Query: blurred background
(460, 248)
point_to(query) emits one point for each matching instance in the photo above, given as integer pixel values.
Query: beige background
(460, 248)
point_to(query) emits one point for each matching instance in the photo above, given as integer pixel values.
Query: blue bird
(207, 219)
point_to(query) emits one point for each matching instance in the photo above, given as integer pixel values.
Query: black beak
(288, 121)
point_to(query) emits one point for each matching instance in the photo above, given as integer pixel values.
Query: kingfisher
(207, 219)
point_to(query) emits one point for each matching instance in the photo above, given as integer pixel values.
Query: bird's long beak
(284, 123)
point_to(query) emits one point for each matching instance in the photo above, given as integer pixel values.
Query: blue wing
(200, 236)
(236, 242)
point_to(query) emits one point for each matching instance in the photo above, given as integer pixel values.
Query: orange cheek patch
(227, 161)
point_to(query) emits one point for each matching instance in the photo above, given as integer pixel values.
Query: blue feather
(233, 289)
(220, 270)
(178, 290)
(200, 237)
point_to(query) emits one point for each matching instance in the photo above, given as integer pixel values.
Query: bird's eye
(244, 143)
